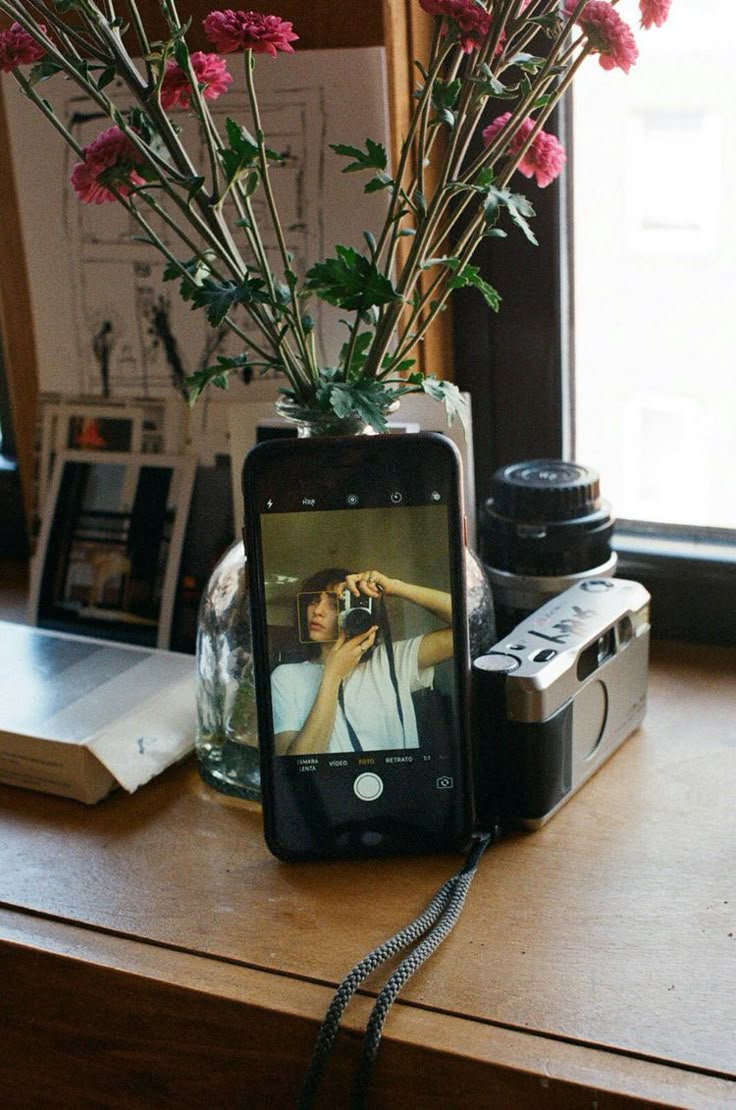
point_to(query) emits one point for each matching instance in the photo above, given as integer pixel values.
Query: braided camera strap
(426, 932)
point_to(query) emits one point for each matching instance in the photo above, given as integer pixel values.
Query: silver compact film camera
(556, 697)
(355, 614)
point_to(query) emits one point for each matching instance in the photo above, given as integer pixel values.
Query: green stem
(390, 227)
(295, 313)
(427, 235)
(69, 36)
(140, 34)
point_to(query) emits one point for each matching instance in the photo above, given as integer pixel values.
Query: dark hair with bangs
(316, 584)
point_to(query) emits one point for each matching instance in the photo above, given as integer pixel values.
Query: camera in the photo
(557, 696)
(355, 614)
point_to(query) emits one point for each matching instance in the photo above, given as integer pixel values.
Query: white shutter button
(368, 786)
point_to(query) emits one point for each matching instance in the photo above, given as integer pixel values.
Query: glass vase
(227, 731)
(227, 735)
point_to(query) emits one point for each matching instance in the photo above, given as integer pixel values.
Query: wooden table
(153, 954)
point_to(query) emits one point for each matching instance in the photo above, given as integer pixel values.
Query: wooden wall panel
(319, 24)
(407, 33)
(19, 349)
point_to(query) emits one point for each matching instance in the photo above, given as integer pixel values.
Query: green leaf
(219, 374)
(191, 274)
(194, 184)
(380, 181)
(196, 383)
(106, 77)
(389, 366)
(368, 399)
(181, 53)
(489, 85)
(470, 275)
(44, 69)
(350, 281)
(444, 98)
(519, 208)
(530, 63)
(450, 396)
(359, 354)
(550, 23)
(143, 124)
(242, 153)
(373, 158)
(220, 298)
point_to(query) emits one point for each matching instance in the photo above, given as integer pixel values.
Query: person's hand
(344, 655)
(369, 582)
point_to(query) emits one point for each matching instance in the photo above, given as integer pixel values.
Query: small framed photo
(150, 426)
(109, 551)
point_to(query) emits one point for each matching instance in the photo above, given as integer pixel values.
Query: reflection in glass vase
(227, 733)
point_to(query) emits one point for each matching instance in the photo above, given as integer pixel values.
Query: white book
(80, 716)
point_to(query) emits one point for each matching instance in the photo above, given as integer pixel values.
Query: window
(655, 251)
(612, 345)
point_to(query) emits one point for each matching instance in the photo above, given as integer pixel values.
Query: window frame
(523, 399)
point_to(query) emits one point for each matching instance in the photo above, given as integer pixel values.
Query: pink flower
(17, 48)
(230, 31)
(544, 159)
(113, 155)
(654, 12)
(471, 21)
(212, 78)
(607, 33)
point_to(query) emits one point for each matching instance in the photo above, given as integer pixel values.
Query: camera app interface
(359, 625)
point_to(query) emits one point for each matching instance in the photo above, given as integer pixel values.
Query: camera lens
(544, 526)
(355, 622)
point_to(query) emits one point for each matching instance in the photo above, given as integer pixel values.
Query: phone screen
(357, 571)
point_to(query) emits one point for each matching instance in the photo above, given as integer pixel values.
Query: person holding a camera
(354, 690)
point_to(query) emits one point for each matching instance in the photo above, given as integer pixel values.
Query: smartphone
(356, 564)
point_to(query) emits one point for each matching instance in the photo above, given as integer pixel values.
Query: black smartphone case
(318, 813)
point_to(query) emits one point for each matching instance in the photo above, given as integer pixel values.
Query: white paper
(156, 733)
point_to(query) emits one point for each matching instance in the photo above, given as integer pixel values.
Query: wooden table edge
(469, 1052)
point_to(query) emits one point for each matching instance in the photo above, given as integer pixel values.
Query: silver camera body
(556, 697)
(354, 614)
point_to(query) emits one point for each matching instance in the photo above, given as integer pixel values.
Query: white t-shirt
(370, 699)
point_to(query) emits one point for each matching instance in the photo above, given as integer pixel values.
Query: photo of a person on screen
(353, 691)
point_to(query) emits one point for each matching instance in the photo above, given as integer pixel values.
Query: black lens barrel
(545, 517)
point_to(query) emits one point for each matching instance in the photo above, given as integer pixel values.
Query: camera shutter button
(368, 786)
(496, 661)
